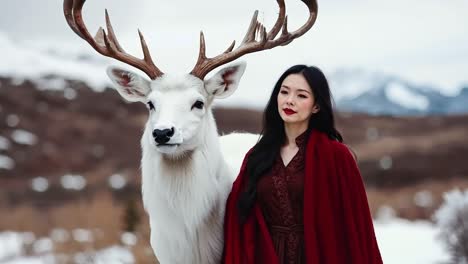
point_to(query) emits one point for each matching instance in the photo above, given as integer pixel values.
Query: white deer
(185, 179)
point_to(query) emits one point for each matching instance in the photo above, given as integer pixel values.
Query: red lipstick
(289, 111)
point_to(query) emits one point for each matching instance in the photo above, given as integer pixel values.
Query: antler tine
(251, 44)
(250, 35)
(287, 37)
(281, 16)
(146, 53)
(68, 12)
(201, 54)
(110, 31)
(230, 47)
(107, 44)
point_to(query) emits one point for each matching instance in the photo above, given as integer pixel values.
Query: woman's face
(296, 102)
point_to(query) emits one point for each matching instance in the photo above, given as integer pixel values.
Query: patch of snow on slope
(399, 94)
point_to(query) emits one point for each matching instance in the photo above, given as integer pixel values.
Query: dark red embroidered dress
(338, 226)
(281, 197)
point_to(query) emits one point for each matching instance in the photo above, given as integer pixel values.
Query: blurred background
(69, 145)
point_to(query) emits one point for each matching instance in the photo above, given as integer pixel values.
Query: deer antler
(107, 44)
(251, 44)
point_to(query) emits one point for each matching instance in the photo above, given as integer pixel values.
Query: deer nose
(163, 135)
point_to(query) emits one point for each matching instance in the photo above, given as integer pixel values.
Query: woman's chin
(289, 119)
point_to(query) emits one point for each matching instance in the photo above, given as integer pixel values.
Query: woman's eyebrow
(299, 90)
(303, 90)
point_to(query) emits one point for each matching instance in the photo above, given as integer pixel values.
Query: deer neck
(209, 136)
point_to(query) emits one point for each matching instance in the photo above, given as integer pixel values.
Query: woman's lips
(289, 111)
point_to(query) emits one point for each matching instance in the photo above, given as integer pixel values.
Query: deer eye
(198, 104)
(150, 105)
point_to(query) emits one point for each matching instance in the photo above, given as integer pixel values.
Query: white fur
(184, 186)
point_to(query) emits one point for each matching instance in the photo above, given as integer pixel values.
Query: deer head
(180, 106)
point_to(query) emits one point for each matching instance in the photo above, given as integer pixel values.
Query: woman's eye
(302, 96)
(151, 105)
(283, 92)
(198, 104)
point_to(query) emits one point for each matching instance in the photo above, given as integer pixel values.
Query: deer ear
(225, 81)
(131, 86)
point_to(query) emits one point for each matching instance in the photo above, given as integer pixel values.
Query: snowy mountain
(49, 64)
(459, 104)
(375, 93)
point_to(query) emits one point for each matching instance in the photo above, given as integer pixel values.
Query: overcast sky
(424, 41)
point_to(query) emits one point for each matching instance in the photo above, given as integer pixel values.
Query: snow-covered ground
(400, 241)
(405, 242)
(13, 246)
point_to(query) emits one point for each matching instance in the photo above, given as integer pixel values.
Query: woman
(299, 196)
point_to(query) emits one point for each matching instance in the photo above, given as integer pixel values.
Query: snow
(24, 137)
(4, 143)
(40, 184)
(12, 120)
(423, 199)
(129, 239)
(405, 242)
(348, 84)
(117, 181)
(10, 245)
(115, 254)
(372, 133)
(28, 238)
(43, 245)
(82, 235)
(30, 260)
(6, 163)
(73, 182)
(36, 63)
(385, 214)
(50, 83)
(386, 162)
(399, 94)
(60, 235)
(69, 93)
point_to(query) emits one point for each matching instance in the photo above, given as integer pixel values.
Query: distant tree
(452, 220)
(131, 216)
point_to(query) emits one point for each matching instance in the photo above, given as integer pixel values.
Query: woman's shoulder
(248, 153)
(246, 158)
(342, 150)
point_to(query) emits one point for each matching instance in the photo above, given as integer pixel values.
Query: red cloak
(338, 226)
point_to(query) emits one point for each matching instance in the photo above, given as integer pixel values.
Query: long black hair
(273, 134)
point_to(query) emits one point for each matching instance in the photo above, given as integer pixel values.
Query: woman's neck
(292, 131)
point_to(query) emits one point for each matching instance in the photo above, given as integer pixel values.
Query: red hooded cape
(338, 226)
